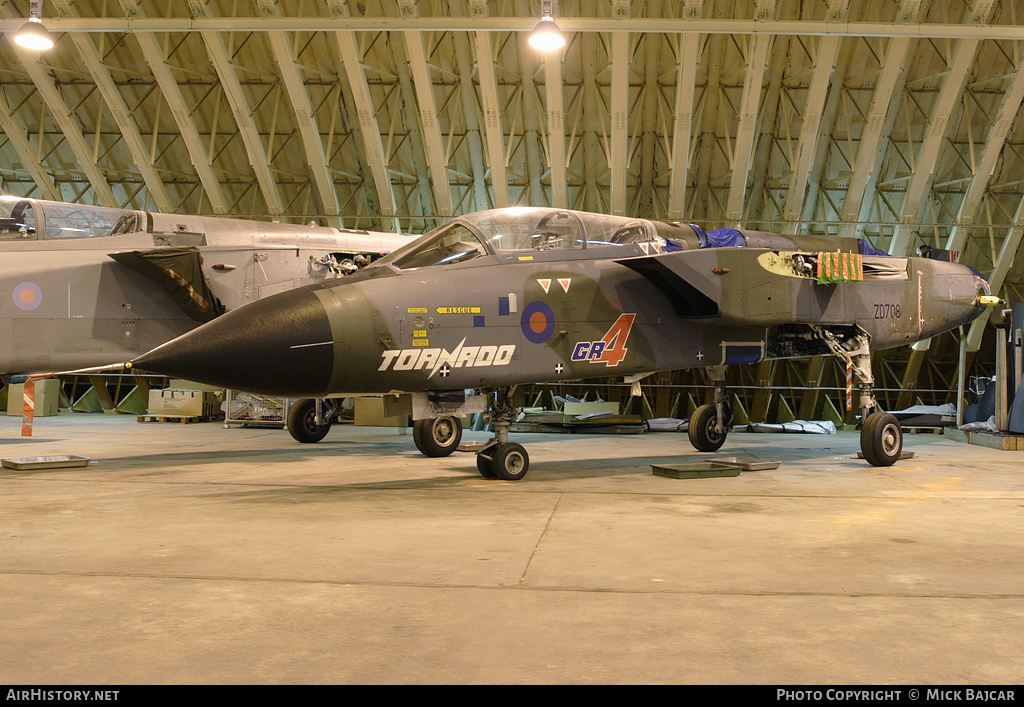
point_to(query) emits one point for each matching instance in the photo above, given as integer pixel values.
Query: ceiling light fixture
(33, 34)
(546, 36)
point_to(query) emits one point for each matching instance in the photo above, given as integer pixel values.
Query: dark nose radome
(281, 345)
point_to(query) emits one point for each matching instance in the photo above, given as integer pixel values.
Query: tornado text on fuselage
(443, 360)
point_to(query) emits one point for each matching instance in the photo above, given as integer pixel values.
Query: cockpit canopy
(32, 219)
(519, 229)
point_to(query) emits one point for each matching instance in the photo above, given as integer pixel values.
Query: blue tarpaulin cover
(726, 238)
(867, 249)
(719, 238)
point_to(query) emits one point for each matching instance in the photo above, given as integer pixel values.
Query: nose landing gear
(499, 458)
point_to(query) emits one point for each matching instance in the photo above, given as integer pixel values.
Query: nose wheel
(499, 458)
(506, 461)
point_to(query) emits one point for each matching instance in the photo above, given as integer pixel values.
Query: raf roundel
(537, 322)
(27, 296)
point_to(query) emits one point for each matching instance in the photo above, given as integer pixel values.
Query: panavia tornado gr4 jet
(85, 285)
(524, 295)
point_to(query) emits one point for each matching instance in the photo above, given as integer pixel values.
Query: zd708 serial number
(887, 311)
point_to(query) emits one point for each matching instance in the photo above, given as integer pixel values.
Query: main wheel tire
(302, 422)
(703, 432)
(881, 439)
(437, 437)
(510, 461)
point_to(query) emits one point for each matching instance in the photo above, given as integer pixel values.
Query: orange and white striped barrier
(29, 409)
(839, 267)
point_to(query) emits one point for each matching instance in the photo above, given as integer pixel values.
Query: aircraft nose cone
(282, 345)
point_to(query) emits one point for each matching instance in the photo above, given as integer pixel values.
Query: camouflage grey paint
(502, 317)
(64, 304)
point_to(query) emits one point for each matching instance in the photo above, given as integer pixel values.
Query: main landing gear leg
(709, 424)
(499, 458)
(881, 437)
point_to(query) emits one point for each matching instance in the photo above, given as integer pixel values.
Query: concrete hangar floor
(192, 554)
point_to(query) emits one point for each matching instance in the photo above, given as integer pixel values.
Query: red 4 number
(615, 341)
